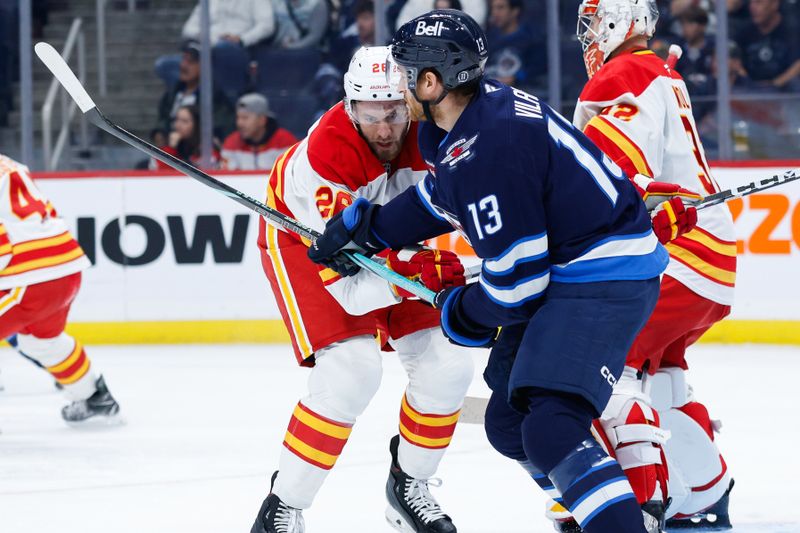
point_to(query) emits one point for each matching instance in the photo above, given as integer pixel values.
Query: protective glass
(371, 113)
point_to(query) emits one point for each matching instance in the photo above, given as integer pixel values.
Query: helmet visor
(373, 113)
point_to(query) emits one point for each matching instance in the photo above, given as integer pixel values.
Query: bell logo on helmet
(431, 31)
(463, 76)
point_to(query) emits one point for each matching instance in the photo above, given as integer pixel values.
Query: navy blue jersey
(535, 198)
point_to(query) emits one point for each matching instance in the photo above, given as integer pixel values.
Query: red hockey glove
(436, 269)
(672, 219)
(670, 207)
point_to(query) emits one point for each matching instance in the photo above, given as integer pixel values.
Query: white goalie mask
(603, 25)
(366, 80)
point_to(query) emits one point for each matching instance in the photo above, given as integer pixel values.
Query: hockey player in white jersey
(637, 110)
(363, 147)
(40, 275)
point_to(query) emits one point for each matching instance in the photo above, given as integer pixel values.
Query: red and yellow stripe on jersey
(38, 241)
(41, 254)
(426, 430)
(73, 368)
(315, 439)
(618, 146)
(706, 255)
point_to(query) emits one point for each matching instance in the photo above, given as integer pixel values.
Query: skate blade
(397, 521)
(98, 422)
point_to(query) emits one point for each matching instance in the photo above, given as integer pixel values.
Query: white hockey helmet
(366, 79)
(603, 25)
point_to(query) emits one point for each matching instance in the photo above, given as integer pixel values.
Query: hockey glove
(436, 269)
(457, 327)
(348, 231)
(670, 206)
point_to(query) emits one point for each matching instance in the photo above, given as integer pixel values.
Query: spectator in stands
(738, 79)
(301, 23)
(259, 140)
(360, 33)
(770, 47)
(409, 9)
(187, 93)
(508, 35)
(184, 139)
(695, 64)
(235, 25)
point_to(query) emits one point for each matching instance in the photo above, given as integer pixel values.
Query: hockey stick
(750, 188)
(56, 64)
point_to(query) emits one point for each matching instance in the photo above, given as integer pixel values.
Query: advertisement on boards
(167, 248)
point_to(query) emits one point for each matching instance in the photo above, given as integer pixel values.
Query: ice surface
(205, 426)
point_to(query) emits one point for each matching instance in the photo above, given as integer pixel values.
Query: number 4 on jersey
(23, 203)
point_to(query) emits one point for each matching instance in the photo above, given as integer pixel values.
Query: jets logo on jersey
(459, 151)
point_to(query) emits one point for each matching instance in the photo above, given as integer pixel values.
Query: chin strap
(426, 104)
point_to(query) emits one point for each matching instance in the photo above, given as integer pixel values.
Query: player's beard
(415, 111)
(386, 151)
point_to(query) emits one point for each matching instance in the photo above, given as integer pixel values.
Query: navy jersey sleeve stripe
(523, 250)
(424, 193)
(520, 292)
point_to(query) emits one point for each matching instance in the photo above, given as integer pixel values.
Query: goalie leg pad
(699, 475)
(631, 428)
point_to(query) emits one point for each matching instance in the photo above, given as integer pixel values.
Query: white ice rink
(205, 426)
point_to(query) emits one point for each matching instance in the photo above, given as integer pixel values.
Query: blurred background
(143, 62)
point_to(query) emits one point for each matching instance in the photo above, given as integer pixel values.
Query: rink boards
(174, 261)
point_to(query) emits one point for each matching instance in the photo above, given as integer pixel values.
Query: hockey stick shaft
(750, 188)
(56, 64)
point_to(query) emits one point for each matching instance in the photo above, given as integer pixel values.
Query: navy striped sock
(594, 488)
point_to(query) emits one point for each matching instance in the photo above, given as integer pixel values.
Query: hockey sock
(597, 493)
(592, 485)
(65, 359)
(543, 481)
(312, 445)
(425, 437)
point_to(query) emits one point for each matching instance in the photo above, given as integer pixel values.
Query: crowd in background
(293, 54)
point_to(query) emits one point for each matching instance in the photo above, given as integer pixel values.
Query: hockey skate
(277, 517)
(715, 518)
(100, 407)
(412, 508)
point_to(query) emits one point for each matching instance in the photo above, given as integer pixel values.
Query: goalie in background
(637, 110)
(362, 148)
(40, 275)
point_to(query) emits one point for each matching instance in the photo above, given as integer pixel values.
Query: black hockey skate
(412, 508)
(715, 518)
(277, 517)
(100, 406)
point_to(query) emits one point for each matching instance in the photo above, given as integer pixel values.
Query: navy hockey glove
(458, 328)
(349, 230)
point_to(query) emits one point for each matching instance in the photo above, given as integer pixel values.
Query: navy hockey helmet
(447, 41)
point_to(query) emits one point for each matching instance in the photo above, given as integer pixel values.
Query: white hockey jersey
(323, 174)
(35, 244)
(637, 110)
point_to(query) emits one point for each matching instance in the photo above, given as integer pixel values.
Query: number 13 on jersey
(488, 210)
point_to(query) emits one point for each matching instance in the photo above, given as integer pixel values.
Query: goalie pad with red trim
(630, 430)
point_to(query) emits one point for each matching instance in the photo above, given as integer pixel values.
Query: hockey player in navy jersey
(570, 264)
